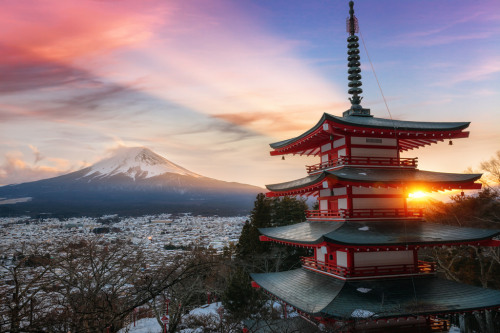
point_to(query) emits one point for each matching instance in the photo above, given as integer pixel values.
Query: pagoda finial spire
(354, 65)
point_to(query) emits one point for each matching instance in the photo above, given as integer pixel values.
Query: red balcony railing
(438, 324)
(423, 267)
(361, 160)
(365, 213)
(311, 214)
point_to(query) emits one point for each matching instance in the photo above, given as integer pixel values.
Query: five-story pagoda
(365, 273)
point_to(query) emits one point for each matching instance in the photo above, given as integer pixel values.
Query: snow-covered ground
(210, 314)
(150, 325)
(145, 325)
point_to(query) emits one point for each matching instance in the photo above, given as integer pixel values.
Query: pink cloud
(216, 60)
(67, 30)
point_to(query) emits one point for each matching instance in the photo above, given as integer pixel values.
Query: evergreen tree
(288, 210)
(239, 297)
(260, 217)
(263, 256)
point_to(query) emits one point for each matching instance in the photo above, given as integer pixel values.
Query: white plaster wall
(324, 158)
(362, 259)
(375, 203)
(340, 191)
(326, 147)
(339, 142)
(341, 152)
(373, 152)
(323, 204)
(324, 193)
(320, 253)
(343, 203)
(356, 140)
(341, 258)
(374, 190)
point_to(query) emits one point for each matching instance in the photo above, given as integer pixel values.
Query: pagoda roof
(376, 233)
(422, 132)
(380, 176)
(321, 295)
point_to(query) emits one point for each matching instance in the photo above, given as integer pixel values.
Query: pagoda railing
(362, 160)
(365, 213)
(438, 324)
(423, 267)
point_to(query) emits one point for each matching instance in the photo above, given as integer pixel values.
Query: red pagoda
(365, 274)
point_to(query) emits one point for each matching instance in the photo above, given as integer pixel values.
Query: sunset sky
(208, 84)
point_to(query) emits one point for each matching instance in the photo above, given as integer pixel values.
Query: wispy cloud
(476, 71)
(36, 152)
(15, 169)
(461, 23)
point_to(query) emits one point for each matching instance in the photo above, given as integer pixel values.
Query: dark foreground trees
(252, 255)
(88, 285)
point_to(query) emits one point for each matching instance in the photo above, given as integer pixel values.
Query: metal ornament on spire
(354, 66)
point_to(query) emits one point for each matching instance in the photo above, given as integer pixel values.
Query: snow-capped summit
(136, 163)
(134, 181)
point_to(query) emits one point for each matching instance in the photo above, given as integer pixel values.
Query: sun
(417, 195)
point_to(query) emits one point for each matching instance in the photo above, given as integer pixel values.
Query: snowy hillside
(136, 162)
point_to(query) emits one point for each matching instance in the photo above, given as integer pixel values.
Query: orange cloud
(15, 169)
(292, 120)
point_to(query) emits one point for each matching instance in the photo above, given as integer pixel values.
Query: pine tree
(264, 256)
(239, 297)
(288, 210)
(260, 217)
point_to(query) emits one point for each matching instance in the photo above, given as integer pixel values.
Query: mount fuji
(134, 181)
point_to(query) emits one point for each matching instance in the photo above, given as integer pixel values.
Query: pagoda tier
(377, 234)
(406, 135)
(355, 250)
(409, 179)
(374, 303)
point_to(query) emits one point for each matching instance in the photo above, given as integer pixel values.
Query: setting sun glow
(417, 195)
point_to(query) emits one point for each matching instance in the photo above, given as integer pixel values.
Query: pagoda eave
(378, 235)
(311, 190)
(408, 179)
(321, 296)
(414, 135)
(487, 242)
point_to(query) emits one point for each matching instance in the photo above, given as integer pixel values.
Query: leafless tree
(492, 168)
(87, 285)
(24, 281)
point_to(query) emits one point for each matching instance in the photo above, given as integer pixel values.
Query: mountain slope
(134, 181)
(135, 162)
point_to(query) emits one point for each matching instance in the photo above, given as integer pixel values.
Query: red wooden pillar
(350, 261)
(349, 200)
